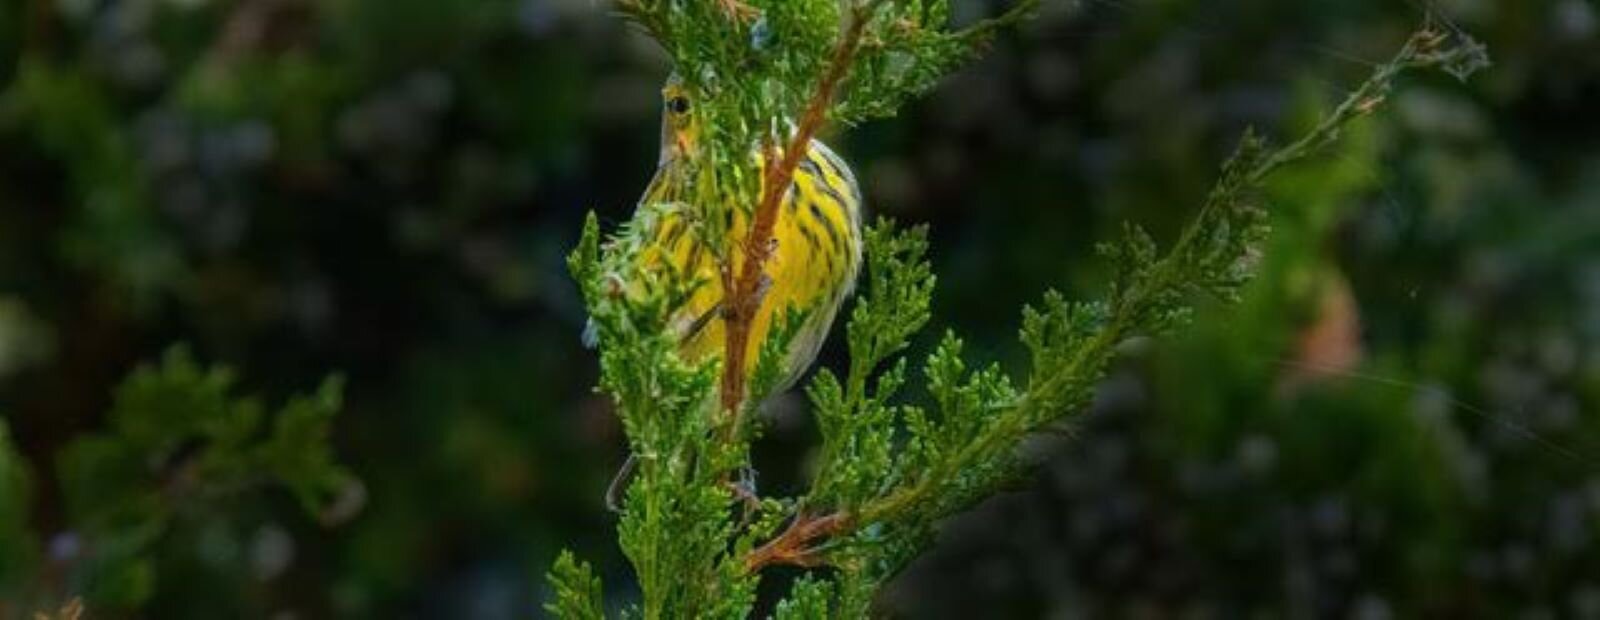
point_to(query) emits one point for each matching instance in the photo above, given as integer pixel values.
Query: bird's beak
(669, 143)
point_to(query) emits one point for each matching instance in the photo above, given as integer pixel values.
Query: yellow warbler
(817, 241)
(814, 263)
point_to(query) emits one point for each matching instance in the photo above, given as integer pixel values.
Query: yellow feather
(814, 264)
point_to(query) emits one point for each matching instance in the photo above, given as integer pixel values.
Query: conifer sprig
(181, 446)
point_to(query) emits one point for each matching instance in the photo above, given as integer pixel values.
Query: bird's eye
(678, 105)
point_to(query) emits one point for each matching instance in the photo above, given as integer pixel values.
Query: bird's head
(680, 129)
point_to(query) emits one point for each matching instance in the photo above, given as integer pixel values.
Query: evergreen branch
(179, 434)
(577, 590)
(769, 74)
(1074, 344)
(1429, 47)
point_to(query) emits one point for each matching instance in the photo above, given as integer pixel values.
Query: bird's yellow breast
(814, 263)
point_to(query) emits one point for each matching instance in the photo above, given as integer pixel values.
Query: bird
(814, 263)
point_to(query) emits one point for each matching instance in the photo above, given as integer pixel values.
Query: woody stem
(794, 546)
(744, 287)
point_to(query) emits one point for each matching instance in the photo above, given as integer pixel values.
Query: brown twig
(746, 287)
(793, 547)
(797, 545)
(738, 10)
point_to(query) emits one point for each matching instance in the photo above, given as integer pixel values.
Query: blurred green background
(1401, 420)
